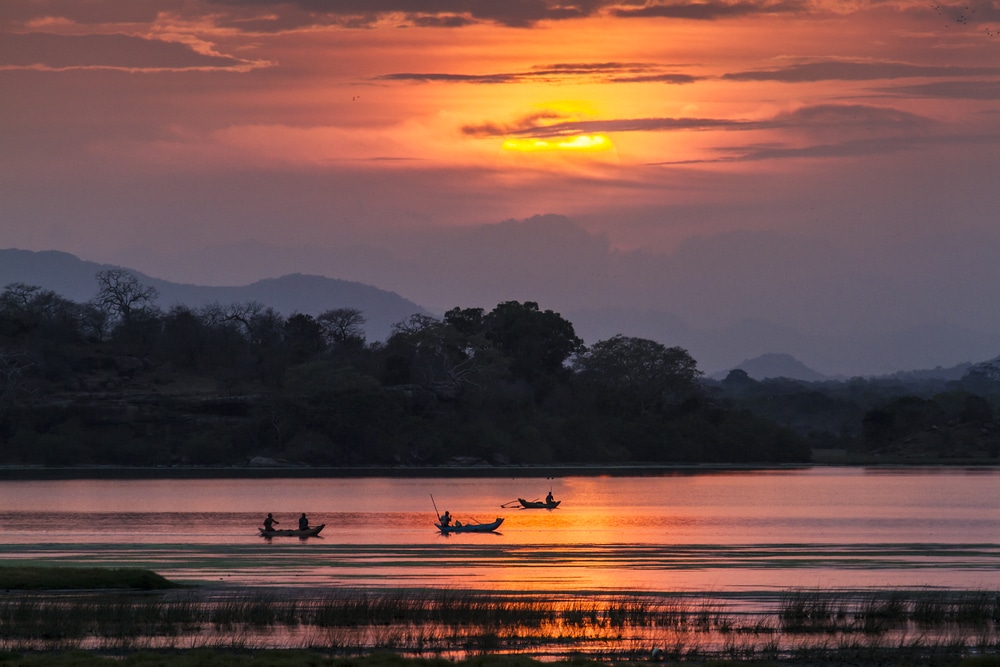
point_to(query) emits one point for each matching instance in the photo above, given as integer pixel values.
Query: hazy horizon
(835, 353)
(812, 178)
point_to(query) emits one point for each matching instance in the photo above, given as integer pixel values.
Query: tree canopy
(637, 375)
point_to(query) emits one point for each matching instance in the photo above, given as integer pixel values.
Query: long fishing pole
(435, 508)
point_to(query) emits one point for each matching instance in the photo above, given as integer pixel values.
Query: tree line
(917, 416)
(118, 380)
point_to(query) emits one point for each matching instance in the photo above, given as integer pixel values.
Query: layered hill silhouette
(724, 297)
(73, 278)
(766, 349)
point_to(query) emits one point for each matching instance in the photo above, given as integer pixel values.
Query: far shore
(821, 460)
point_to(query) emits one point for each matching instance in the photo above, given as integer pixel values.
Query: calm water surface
(727, 533)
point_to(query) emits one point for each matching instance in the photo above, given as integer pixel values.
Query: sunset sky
(823, 164)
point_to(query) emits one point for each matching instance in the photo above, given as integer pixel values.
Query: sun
(581, 143)
(556, 136)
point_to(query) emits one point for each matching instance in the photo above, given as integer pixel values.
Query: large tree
(537, 342)
(425, 350)
(121, 294)
(342, 325)
(638, 375)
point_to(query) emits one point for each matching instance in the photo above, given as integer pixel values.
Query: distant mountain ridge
(716, 350)
(73, 278)
(777, 365)
(724, 297)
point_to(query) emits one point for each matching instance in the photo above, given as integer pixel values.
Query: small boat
(312, 531)
(460, 527)
(538, 504)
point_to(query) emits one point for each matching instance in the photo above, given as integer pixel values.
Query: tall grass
(877, 612)
(457, 624)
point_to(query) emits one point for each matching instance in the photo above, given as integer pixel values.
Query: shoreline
(40, 473)
(448, 471)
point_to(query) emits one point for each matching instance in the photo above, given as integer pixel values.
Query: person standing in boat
(303, 522)
(269, 522)
(446, 519)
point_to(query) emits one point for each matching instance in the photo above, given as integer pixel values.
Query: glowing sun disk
(578, 143)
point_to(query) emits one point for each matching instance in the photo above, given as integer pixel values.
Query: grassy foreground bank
(45, 578)
(274, 658)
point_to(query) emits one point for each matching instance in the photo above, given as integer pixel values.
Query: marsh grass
(879, 612)
(458, 624)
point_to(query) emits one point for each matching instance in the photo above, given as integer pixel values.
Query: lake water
(722, 533)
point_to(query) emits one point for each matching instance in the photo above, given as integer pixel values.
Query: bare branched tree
(342, 324)
(260, 324)
(414, 324)
(122, 295)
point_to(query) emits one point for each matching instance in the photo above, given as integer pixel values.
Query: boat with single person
(311, 531)
(538, 504)
(459, 527)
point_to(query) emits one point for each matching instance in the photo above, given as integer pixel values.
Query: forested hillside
(118, 381)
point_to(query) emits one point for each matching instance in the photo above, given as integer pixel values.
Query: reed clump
(878, 612)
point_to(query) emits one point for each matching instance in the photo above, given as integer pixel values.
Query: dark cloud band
(107, 51)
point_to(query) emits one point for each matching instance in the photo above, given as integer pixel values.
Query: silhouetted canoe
(460, 527)
(313, 531)
(538, 504)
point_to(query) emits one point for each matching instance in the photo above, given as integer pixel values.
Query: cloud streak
(530, 128)
(840, 70)
(275, 16)
(298, 14)
(835, 116)
(428, 13)
(807, 72)
(707, 11)
(950, 90)
(48, 51)
(596, 72)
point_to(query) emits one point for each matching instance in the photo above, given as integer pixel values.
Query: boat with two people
(304, 529)
(447, 526)
(312, 531)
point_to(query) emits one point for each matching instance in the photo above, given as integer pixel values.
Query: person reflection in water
(269, 522)
(303, 522)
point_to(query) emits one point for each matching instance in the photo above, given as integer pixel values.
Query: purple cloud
(838, 70)
(610, 72)
(708, 11)
(110, 51)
